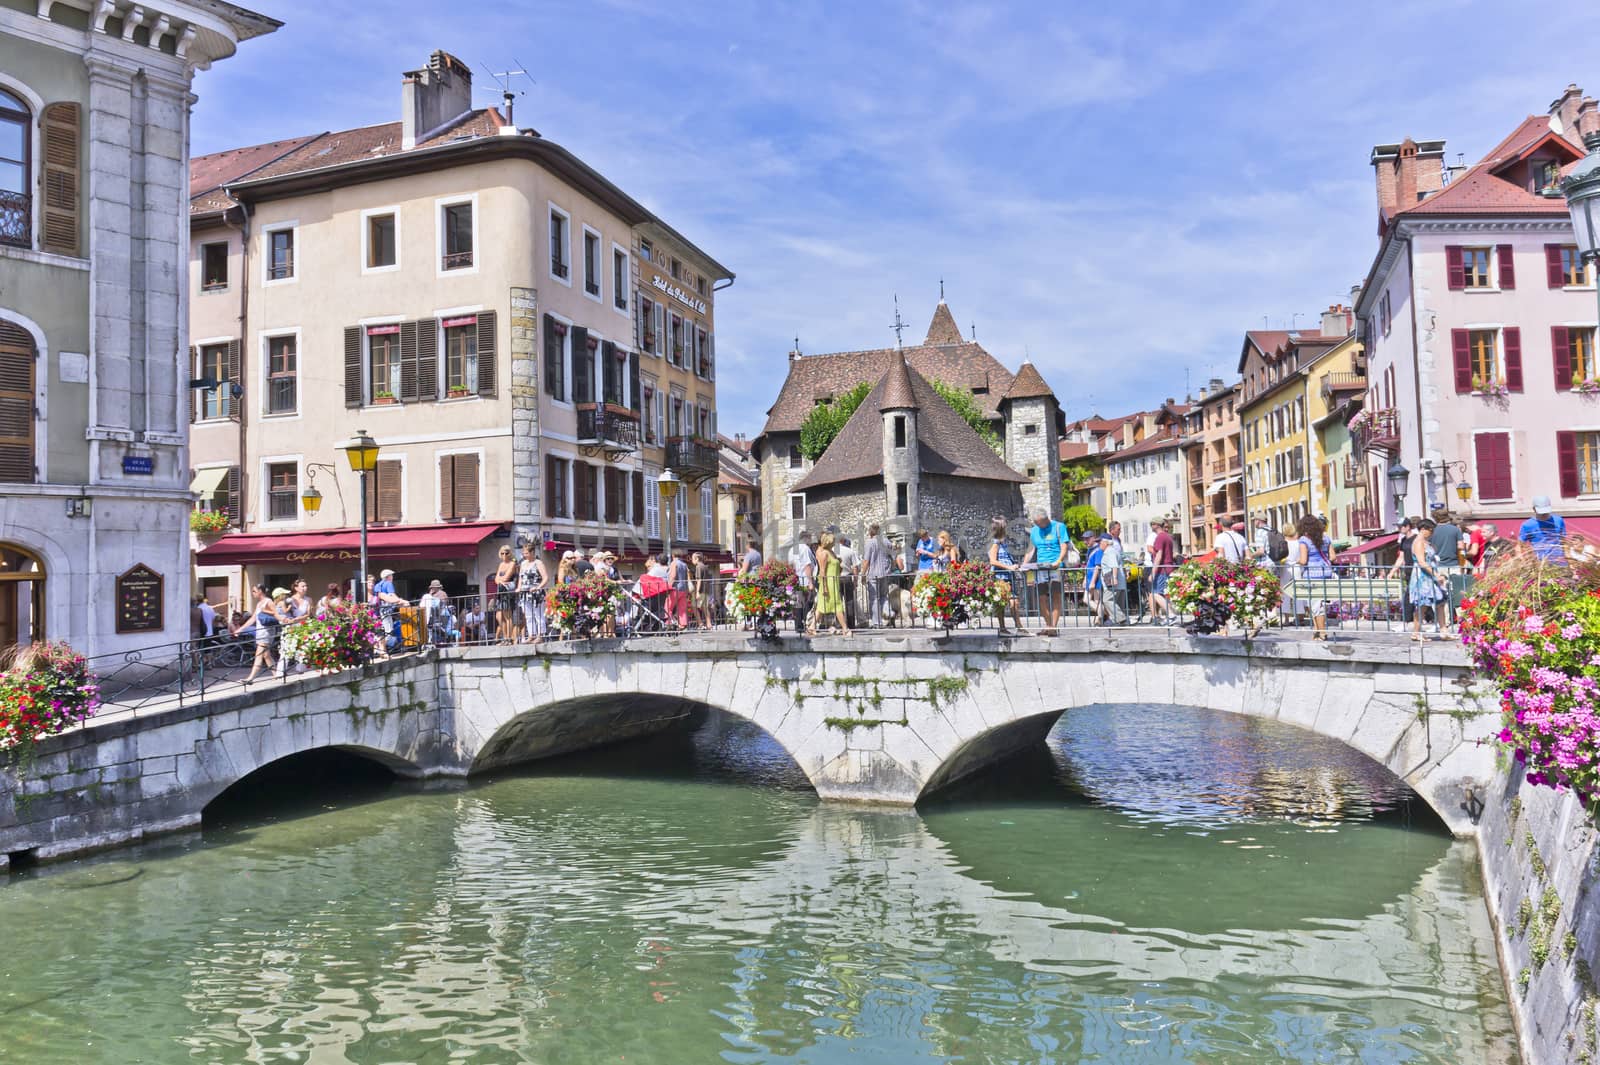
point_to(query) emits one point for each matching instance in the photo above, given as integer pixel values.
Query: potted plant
(382, 397)
(650, 342)
(579, 609)
(47, 689)
(457, 392)
(762, 597)
(1220, 591)
(1586, 385)
(208, 522)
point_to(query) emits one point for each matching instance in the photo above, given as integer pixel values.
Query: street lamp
(1399, 483)
(1582, 189)
(362, 451)
(311, 499)
(667, 484)
(1443, 468)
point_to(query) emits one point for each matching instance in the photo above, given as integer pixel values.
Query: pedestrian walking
(1403, 565)
(388, 604)
(804, 562)
(296, 609)
(1005, 568)
(877, 563)
(1428, 590)
(1161, 557)
(830, 599)
(1311, 565)
(332, 596)
(1113, 580)
(1231, 542)
(701, 584)
(267, 620)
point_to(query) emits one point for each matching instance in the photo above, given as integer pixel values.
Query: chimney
(432, 96)
(1336, 321)
(1215, 385)
(1407, 172)
(1564, 112)
(1588, 117)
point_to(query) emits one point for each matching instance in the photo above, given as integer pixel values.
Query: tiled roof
(1481, 191)
(1145, 446)
(813, 378)
(370, 142)
(897, 392)
(1028, 384)
(943, 329)
(731, 473)
(1068, 450)
(946, 444)
(208, 173)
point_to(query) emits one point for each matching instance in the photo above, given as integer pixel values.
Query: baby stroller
(647, 600)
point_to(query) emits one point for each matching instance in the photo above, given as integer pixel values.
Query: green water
(1213, 890)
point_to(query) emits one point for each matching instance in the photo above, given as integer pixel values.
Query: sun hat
(435, 587)
(386, 573)
(1541, 504)
(280, 593)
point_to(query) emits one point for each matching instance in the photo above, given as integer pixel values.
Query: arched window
(21, 598)
(16, 210)
(17, 360)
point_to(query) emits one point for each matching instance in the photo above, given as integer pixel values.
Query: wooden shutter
(383, 491)
(194, 371)
(235, 501)
(1554, 276)
(447, 489)
(236, 377)
(638, 498)
(580, 491)
(1455, 272)
(1513, 358)
(17, 361)
(1567, 462)
(408, 362)
(554, 380)
(582, 366)
(1561, 356)
(352, 366)
(633, 384)
(428, 359)
(1493, 454)
(549, 486)
(466, 486)
(59, 129)
(488, 368)
(1461, 349)
(1508, 270)
(610, 475)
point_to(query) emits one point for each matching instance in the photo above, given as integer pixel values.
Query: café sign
(685, 298)
(322, 556)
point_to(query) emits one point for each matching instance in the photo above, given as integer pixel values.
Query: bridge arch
(394, 764)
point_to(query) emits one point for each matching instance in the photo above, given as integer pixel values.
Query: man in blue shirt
(1544, 531)
(389, 605)
(1091, 576)
(1047, 544)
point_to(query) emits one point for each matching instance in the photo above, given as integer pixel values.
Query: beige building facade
(527, 344)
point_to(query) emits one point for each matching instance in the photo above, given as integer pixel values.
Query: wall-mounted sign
(340, 555)
(685, 298)
(138, 600)
(143, 465)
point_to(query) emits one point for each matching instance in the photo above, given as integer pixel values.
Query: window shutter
(554, 383)
(1493, 453)
(1561, 357)
(408, 362)
(610, 373)
(582, 366)
(428, 359)
(549, 486)
(236, 377)
(634, 385)
(1508, 270)
(488, 369)
(1567, 462)
(1455, 272)
(1460, 346)
(610, 475)
(59, 126)
(582, 477)
(447, 489)
(1513, 354)
(638, 498)
(1554, 276)
(389, 491)
(352, 366)
(194, 371)
(233, 502)
(17, 360)
(466, 486)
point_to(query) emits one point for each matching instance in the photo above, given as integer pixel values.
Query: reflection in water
(686, 899)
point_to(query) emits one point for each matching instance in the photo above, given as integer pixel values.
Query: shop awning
(1367, 548)
(207, 481)
(344, 545)
(1222, 482)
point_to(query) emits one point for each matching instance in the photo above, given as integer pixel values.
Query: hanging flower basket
(580, 608)
(1220, 591)
(48, 689)
(762, 597)
(338, 638)
(964, 592)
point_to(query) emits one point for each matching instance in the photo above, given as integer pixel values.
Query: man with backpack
(1271, 547)
(1231, 543)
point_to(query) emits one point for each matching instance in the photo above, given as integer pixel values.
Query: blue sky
(1117, 190)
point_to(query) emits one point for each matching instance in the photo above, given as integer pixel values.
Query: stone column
(525, 471)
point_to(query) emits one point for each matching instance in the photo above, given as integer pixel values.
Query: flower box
(458, 393)
(208, 522)
(382, 399)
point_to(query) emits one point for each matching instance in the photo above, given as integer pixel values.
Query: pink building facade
(1479, 322)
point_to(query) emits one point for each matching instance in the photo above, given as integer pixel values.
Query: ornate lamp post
(667, 484)
(362, 451)
(1399, 484)
(1582, 189)
(1443, 468)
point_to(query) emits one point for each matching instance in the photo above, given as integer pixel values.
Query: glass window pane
(11, 177)
(11, 140)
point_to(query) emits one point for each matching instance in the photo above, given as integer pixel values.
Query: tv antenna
(507, 94)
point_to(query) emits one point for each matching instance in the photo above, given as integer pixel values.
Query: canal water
(1153, 885)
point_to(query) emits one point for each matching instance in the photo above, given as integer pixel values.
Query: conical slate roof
(1028, 384)
(897, 393)
(943, 329)
(946, 444)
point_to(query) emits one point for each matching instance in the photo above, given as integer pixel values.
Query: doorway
(21, 598)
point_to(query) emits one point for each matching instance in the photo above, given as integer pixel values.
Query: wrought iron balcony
(688, 454)
(612, 427)
(16, 219)
(1378, 429)
(456, 260)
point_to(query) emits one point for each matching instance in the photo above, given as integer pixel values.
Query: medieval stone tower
(902, 465)
(1032, 439)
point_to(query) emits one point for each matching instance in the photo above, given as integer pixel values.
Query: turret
(901, 463)
(1032, 440)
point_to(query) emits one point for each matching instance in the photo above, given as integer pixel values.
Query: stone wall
(1039, 451)
(968, 508)
(1540, 872)
(526, 470)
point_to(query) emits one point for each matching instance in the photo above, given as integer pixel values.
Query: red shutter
(1561, 357)
(1567, 462)
(1508, 270)
(1513, 354)
(1554, 276)
(1454, 271)
(1493, 453)
(1459, 345)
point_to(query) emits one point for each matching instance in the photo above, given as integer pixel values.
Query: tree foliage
(824, 421)
(1082, 519)
(963, 403)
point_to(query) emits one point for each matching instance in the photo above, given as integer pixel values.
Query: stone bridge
(880, 718)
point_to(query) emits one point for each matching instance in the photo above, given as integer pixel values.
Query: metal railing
(687, 452)
(610, 426)
(16, 219)
(455, 260)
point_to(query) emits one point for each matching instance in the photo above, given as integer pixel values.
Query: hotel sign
(685, 298)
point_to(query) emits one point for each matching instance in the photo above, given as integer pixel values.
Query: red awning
(1589, 527)
(1368, 547)
(344, 545)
